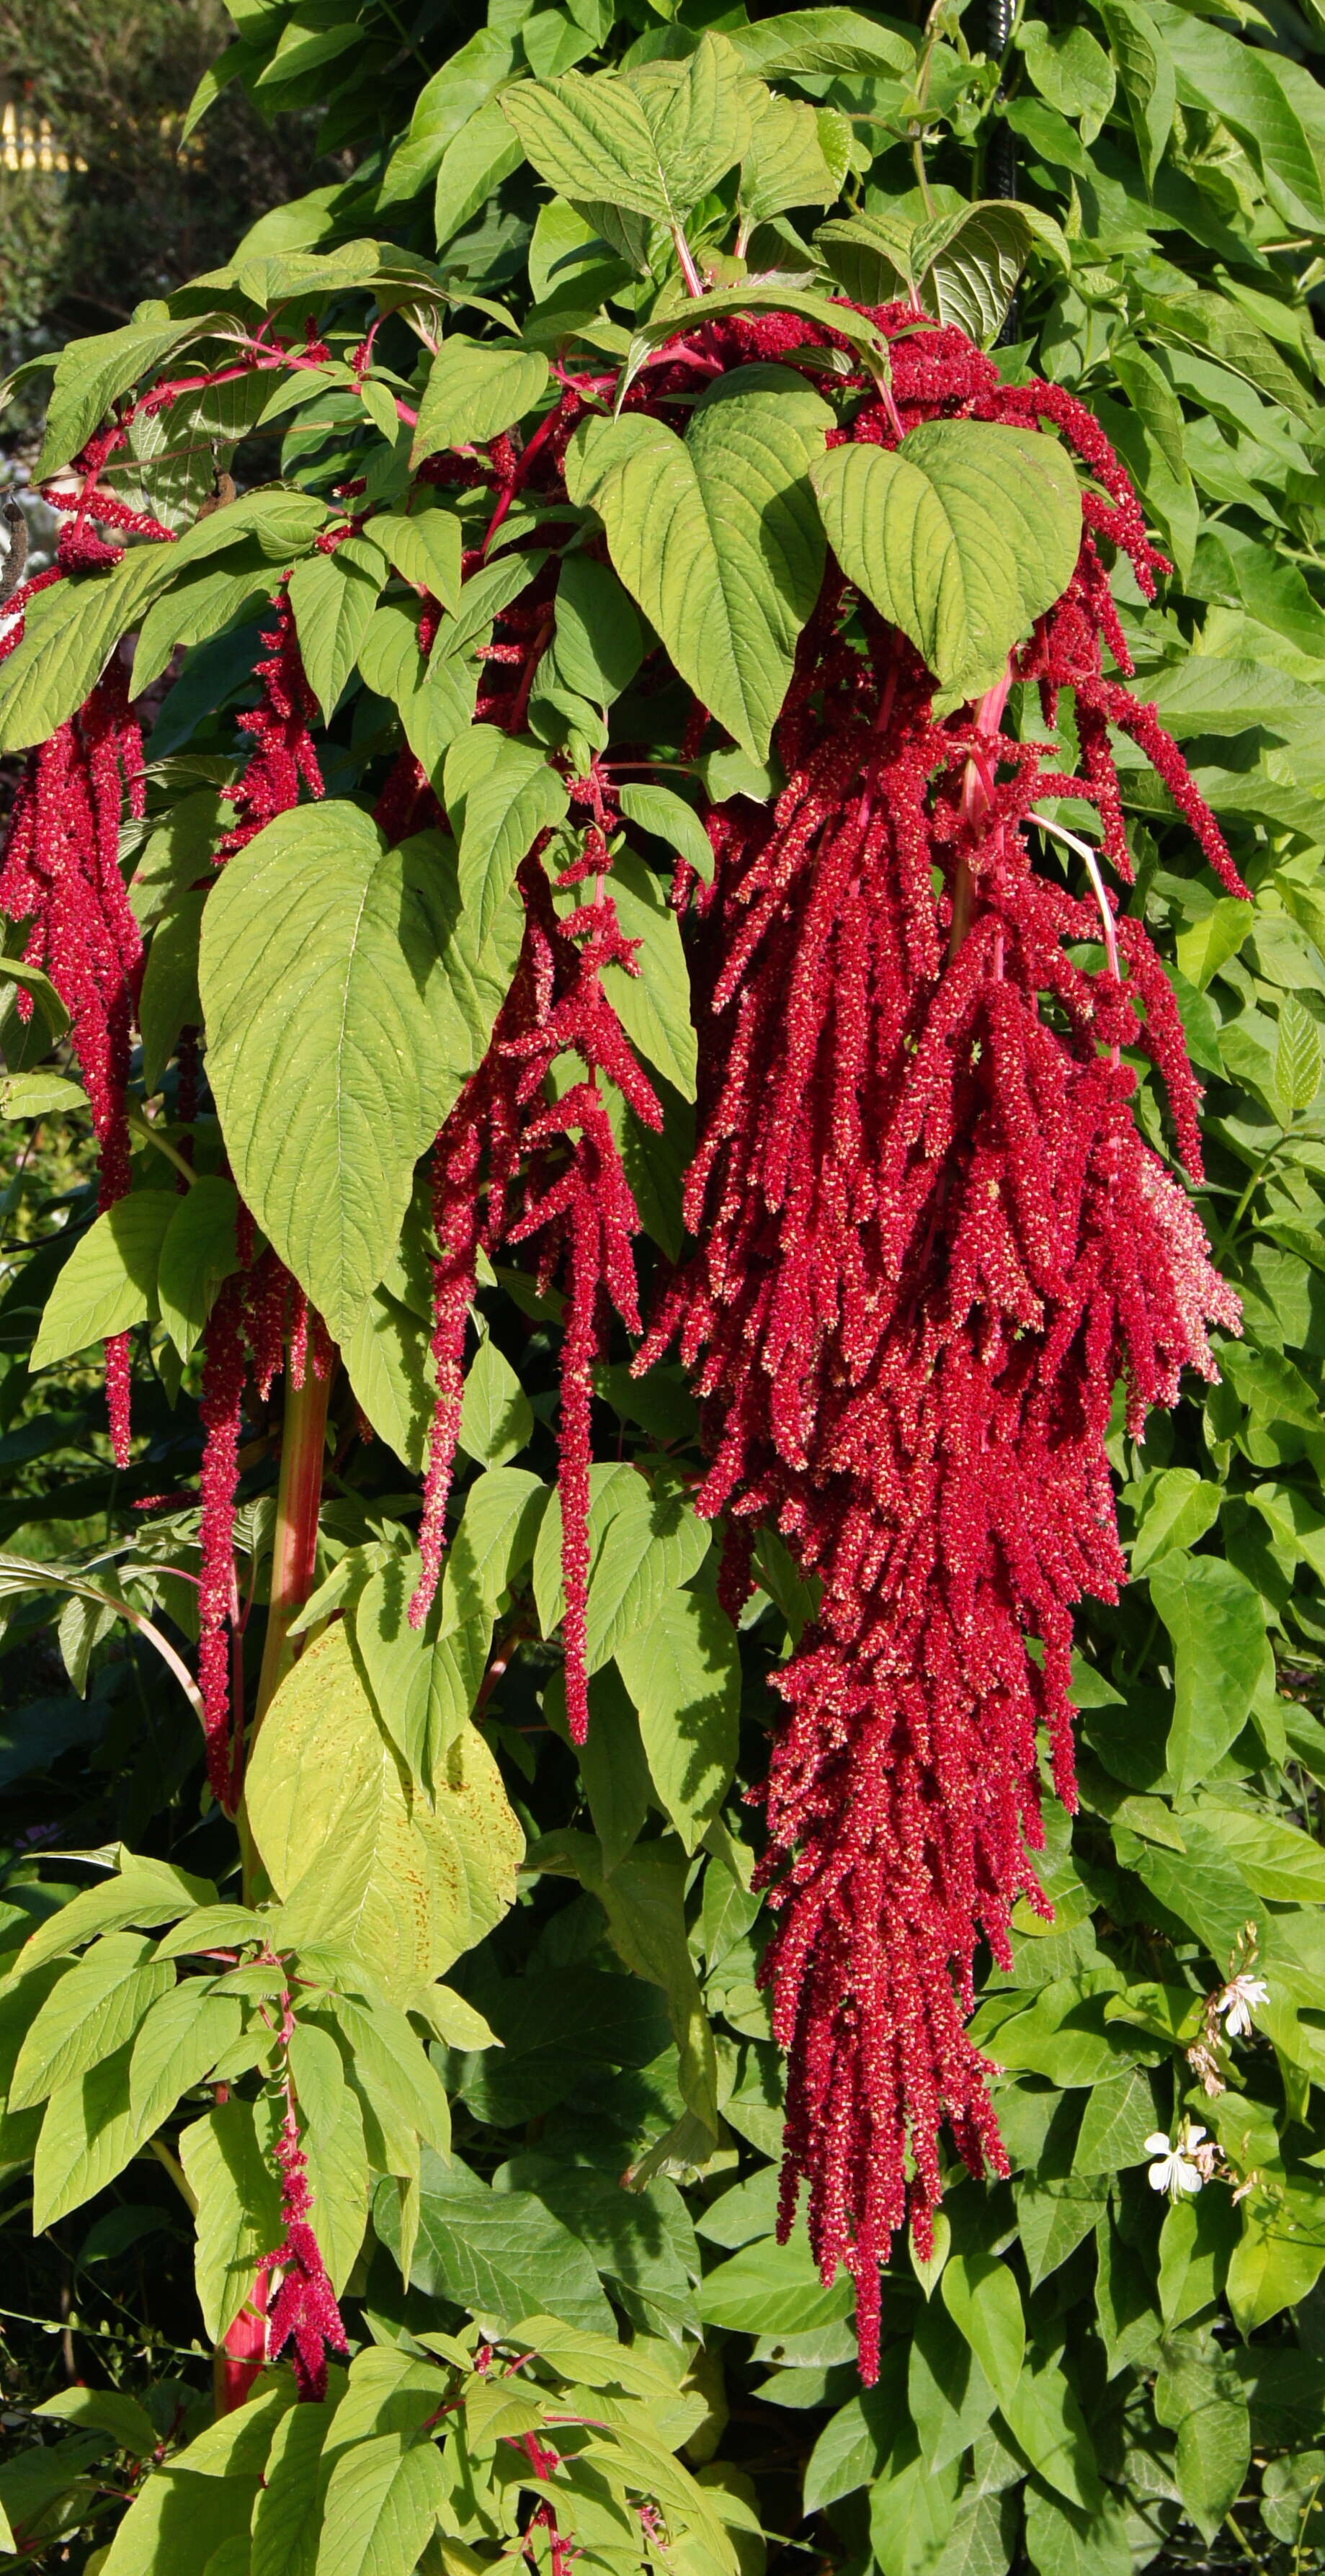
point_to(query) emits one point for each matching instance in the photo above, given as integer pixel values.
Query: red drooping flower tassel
(302, 2311)
(61, 873)
(283, 752)
(930, 1240)
(573, 1194)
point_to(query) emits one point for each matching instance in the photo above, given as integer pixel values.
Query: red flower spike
(302, 2310)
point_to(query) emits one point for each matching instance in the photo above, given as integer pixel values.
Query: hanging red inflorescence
(302, 2309)
(929, 1238)
(61, 874)
(512, 1164)
(930, 1241)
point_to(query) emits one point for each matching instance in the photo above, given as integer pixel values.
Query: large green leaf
(1216, 1620)
(962, 536)
(716, 535)
(438, 1874)
(653, 143)
(502, 2254)
(95, 2009)
(333, 597)
(345, 1004)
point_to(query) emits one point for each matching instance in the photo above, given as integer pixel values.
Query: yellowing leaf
(440, 1873)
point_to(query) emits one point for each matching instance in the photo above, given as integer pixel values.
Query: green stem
(1248, 1195)
(294, 1547)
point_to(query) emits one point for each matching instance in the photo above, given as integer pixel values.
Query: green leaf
(496, 2253)
(178, 2042)
(716, 535)
(87, 2137)
(949, 2398)
(644, 1901)
(912, 2511)
(475, 162)
(654, 143)
(1199, 2396)
(324, 981)
(770, 2289)
(1206, 944)
(1118, 2117)
(109, 1281)
(1297, 1057)
(494, 1542)
(444, 104)
(177, 2520)
(227, 2161)
(853, 2445)
(475, 389)
(1145, 72)
(333, 597)
(383, 2501)
(660, 811)
(105, 2410)
(93, 2011)
(1270, 102)
(683, 1673)
(1070, 68)
(438, 1876)
(984, 2303)
(285, 2513)
(424, 1680)
(331, 2135)
(91, 373)
(597, 643)
(821, 40)
(1044, 2418)
(1061, 2540)
(797, 155)
(169, 1000)
(16, 970)
(387, 1363)
(141, 1891)
(1216, 1621)
(390, 2060)
(500, 794)
(961, 537)
(424, 548)
(495, 1416)
(1178, 1509)
(198, 1251)
(652, 1005)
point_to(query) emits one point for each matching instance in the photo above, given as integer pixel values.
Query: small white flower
(1240, 1998)
(1174, 2172)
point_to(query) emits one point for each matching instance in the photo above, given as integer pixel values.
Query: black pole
(1001, 146)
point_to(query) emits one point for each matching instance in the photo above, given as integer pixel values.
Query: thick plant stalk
(294, 1541)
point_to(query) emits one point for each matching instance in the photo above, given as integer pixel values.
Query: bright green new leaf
(92, 2012)
(109, 1281)
(797, 155)
(387, 1362)
(87, 2137)
(424, 548)
(962, 537)
(716, 535)
(424, 1681)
